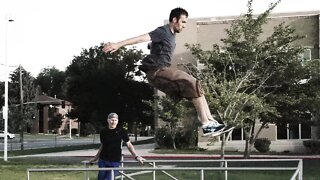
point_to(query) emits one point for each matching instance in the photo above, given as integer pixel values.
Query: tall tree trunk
(246, 150)
(248, 134)
(251, 139)
(173, 135)
(255, 136)
(223, 143)
(173, 142)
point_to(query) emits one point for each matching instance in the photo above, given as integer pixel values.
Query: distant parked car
(10, 135)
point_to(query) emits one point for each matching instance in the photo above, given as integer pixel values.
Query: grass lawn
(15, 169)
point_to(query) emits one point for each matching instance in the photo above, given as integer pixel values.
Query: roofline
(272, 16)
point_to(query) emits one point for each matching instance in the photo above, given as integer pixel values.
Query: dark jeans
(106, 175)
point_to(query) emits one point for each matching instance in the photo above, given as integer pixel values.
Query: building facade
(48, 108)
(209, 31)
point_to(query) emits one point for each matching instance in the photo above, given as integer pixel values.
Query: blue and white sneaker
(212, 127)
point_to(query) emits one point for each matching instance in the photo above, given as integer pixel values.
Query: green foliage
(52, 82)
(17, 122)
(312, 145)
(55, 121)
(100, 83)
(251, 78)
(163, 137)
(183, 139)
(186, 139)
(262, 145)
(172, 112)
(241, 74)
(1, 94)
(180, 129)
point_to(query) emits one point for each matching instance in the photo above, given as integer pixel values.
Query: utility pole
(21, 108)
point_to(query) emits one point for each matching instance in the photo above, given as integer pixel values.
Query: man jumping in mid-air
(157, 66)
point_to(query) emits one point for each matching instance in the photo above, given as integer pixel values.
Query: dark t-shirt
(163, 43)
(163, 37)
(111, 141)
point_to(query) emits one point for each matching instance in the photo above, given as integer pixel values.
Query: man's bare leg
(206, 107)
(199, 104)
(209, 126)
(202, 108)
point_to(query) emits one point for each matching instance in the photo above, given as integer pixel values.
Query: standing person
(157, 66)
(109, 153)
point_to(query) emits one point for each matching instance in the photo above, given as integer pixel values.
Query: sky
(47, 33)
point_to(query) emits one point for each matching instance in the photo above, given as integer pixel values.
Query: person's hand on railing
(140, 159)
(93, 160)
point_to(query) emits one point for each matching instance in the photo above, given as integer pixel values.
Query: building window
(282, 131)
(305, 56)
(305, 131)
(237, 134)
(294, 131)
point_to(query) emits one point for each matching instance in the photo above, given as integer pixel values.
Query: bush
(312, 145)
(186, 139)
(262, 145)
(183, 140)
(162, 138)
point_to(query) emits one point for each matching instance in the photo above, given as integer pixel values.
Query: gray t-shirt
(163, 41)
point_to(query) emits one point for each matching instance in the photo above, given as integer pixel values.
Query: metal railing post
(112, 174)
(300, 169)
(226, 171)
(85, 172)
(122, 165)
(202, 174)
(28, 174)
(154, 172)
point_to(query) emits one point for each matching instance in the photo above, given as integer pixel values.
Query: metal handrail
(297, 174)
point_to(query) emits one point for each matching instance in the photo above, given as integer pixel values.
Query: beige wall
(270, 133)
(208, 31)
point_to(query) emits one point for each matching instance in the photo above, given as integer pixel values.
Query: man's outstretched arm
(112, 47)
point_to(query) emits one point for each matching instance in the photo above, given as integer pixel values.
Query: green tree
(309, 93)
(172, 112)
(247, 76)
(51, 82)
(20, 117)
(100, 83)
(55, 120)
(2, 94)
(1, 104)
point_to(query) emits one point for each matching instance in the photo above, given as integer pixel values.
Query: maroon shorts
(175, 83)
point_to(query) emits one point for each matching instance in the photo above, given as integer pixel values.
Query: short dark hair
(177, 12)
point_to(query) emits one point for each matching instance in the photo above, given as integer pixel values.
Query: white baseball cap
(113, 115)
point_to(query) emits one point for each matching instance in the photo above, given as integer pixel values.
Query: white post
(5, 108)
(5, 145)
(70, 128)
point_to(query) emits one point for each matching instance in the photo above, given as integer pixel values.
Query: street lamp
(70, 135)
(5, 108)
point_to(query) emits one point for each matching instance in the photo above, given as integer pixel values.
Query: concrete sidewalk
(142, 150)
(145, 150)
